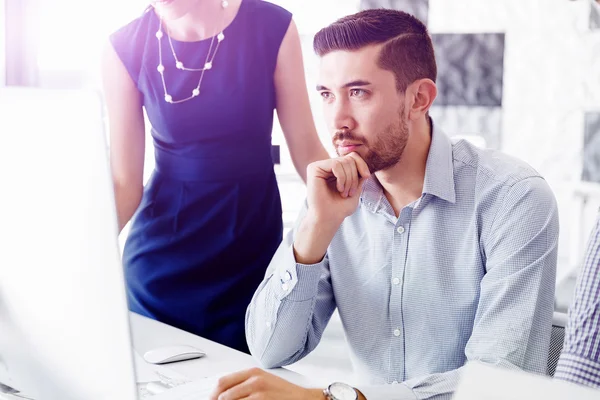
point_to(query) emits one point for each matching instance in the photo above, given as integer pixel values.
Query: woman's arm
(293, 107)
(127, 134)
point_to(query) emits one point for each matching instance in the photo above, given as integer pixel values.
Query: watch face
(342, 391)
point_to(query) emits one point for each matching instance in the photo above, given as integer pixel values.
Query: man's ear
(421, 93)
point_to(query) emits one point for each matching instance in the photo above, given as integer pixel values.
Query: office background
(521, 76)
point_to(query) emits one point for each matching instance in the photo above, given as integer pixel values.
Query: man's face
(363, 109)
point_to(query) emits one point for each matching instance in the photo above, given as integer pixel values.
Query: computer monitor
(64, 321)
(481, 381)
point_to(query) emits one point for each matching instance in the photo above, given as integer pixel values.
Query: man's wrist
(322, 219)
(316, 394)
(313, 238)
(328, 395)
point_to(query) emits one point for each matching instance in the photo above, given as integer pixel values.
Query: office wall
(550, 99)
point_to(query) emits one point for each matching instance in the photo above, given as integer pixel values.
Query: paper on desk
(145, 372)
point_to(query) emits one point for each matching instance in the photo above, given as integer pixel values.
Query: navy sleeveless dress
(210, 218)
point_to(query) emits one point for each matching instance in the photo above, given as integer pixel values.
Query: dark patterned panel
(557, 337)
(470, 69)
(595, 16)
(591, 149)
(479, 123)
(276, 154)
(418, 8)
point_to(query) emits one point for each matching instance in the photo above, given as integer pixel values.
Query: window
(70, 36)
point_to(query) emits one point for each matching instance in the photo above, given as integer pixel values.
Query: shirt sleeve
(580, 358)
(388, 392)
(513, 321)
(291, 308)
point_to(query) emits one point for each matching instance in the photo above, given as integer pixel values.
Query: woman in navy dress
(209, 75)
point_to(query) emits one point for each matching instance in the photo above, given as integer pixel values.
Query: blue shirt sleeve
(580, 358)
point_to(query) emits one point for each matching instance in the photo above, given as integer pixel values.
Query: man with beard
(434, 253)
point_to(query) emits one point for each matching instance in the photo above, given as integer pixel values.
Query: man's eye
(357, 92)
(326, 95)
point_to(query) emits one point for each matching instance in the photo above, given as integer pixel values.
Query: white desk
(487, 382)
(219, 359)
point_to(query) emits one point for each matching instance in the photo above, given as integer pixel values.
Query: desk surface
(219, 360)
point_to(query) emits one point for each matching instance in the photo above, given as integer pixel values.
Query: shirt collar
(439, 173)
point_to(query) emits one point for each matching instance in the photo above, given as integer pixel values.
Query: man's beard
(388, 147)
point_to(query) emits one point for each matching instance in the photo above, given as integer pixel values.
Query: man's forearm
(312, 239)
(282, 310)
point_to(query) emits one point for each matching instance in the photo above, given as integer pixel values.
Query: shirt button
(396, 332)
(268, 324)
(285, 287)
(286, 277)
(395, 383)
(396, 281)
(400, 229)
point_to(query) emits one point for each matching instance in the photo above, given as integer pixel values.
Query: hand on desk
(256, 383)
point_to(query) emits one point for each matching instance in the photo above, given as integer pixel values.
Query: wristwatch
(340, 391)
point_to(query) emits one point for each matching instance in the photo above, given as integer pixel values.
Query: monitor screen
(63, 309)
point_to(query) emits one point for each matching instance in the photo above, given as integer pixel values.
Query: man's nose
(342, 117)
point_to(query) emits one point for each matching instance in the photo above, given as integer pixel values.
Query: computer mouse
(169, 354)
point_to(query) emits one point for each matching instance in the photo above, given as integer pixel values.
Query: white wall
(2, 44)
(70, 48)
(551, 78)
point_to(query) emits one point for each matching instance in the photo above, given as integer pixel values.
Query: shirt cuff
(296, 282)
(574, 368)
(388, 392)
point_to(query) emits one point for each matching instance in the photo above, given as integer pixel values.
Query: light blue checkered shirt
(466, 272)
(580, 359)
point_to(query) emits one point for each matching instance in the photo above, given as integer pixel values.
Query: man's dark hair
(407, 50)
